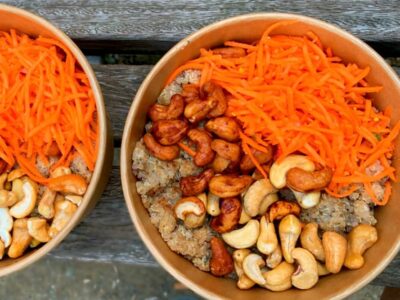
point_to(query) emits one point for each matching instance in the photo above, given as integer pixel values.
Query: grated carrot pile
(292, 93)
(46, 105)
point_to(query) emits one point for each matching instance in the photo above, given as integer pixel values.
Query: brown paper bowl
(249, 28)
(23, 21)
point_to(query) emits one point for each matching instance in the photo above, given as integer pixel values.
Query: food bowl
(23, 21)
(250, 28)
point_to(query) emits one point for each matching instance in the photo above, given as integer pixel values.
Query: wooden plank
(169, 21)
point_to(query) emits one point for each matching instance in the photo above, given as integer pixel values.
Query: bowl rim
(125, 160)
(104, 136)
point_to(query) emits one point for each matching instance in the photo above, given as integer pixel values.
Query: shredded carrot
(45, 103)
(293, 93)
(187, 149)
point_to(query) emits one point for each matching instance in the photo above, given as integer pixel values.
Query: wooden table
(152, 27)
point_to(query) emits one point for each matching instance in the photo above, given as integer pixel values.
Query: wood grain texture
(164, 20)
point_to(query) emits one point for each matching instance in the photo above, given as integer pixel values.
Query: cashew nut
(224, 127)
(310, 241)
(289, 232)
(6, 224)
(7, 198)
(213, 93)
(2, 249)
(307, 200)
(24, 207)
(359, 240)
(166, 153)
(195, 184)
(169, 132)
(187, 207)
(229, 151)
(198, 109)
(20, 238)
(255, 195)
(60, 171)
(68, 184)
(190, 92)
(306, 275)
(34, 243)
(64, 210)
(46, 203)
(213, 208)
(277, 174)
(275, 258)
(322, 270)
(167, 112)
(244, 218)
(279, 279)
(267, 241)
(244, 237)
(280, 209)
(244, 282)
(252, 265)
(220, 164)
(246, 164)
(226, 186)
(17, 188)
(303, 181)
(74, 199)
(335, 247)
(15, 174)
(3, 179)
(39, 229)
(266, 202)
(221, 262)
(229, 216)
(204, 153)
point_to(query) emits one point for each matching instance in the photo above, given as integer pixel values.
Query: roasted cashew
(213, 92)
(252, 265)
(224, 127)
(229, 52)
(221, 262)
(3, 179)
(2, 249)
(244, 218)
(281, 209)
(17, 189)
(75, 199)
(229, 216)
(306, 275)
(244, 282)
(167, 112)
(60, 171)
(204, 153)
(46, 203)
(193, 221)
(359, 240)
(256, 194)
(335, 247)
(229, 151)
(267, 202)
(159, 151)
(277, 174)
(275, 258)
(6, 224)
(267, 241)
(307, 200)
(20, 238)
(7, 198)
(289, 232)
(34, 243)
(190, 92)
(38, 229)
(225, 186)
(213, 208)
(15, 174)
(68, 184)
(246, 164)
(244, 237)
(185, 207)
(198, 109)
(196, 184)
(322, 270)
(64, 211)
(169, 132)
(279, 279)
(24, 207)
(305, 181)
(220, 164)
(310, 241)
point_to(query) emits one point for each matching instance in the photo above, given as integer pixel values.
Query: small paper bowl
(250, 28)
(26, 22)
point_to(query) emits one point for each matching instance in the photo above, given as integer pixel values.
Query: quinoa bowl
(28, 28)
(250, 28)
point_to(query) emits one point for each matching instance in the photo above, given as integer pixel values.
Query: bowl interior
(23, 21)
(250, 28)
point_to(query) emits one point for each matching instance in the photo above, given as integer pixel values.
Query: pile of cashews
(28, 219)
